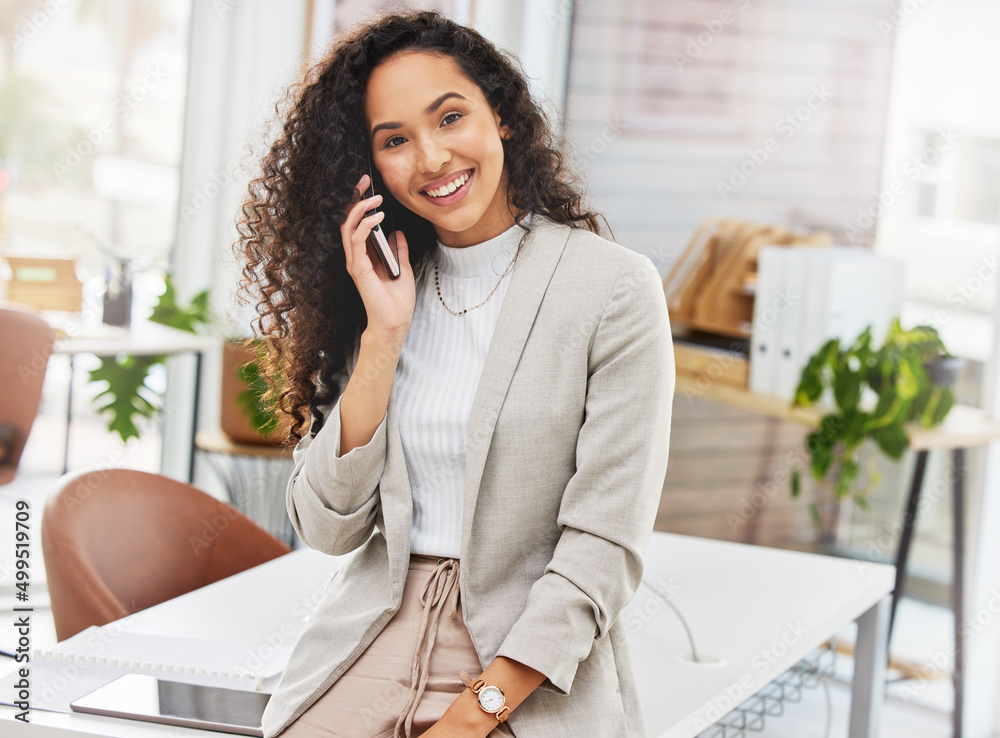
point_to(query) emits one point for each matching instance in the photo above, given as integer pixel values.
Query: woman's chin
(453, 222)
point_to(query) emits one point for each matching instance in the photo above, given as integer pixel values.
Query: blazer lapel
(529, 279)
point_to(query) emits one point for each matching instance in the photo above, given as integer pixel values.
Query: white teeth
(450, 187)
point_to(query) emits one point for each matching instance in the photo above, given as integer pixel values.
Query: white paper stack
(97, 655)
(808, 295)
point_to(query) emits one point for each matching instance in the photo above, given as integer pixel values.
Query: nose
(432, 157)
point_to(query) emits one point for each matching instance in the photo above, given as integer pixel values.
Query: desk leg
(909, 522)
(957, 588)
(870, 660)
(194, 414)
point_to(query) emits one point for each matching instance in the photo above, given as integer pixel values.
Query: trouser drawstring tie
(437, 590)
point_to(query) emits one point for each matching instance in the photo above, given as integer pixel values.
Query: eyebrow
(430, 109)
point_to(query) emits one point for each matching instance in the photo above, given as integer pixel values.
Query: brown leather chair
(25, 345)
(117, 541)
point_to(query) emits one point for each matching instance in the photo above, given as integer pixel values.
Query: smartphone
(386, 254)
(154, 700)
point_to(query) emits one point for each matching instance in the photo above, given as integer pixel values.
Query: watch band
(480, 688)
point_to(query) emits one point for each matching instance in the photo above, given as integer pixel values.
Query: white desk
(761, 610)
(145, 338)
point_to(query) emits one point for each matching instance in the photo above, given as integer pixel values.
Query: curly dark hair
(310, 314)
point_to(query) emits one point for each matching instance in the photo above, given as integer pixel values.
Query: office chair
(117, 541)
(24, 354)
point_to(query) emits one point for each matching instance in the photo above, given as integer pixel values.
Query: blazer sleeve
(332, 500)
(609, 506)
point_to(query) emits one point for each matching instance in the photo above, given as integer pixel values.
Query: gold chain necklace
(438, 285)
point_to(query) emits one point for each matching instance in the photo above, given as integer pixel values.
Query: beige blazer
(567, 452)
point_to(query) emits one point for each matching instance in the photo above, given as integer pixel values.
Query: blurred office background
(128, 128)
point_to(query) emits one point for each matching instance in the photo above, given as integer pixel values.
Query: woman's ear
(505, 132)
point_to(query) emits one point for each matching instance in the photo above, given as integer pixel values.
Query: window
(979, 181)
(90, 141)
(92, 94)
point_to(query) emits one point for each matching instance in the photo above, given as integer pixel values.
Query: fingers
(362, 185)
(398, 240)
(360, 190)
(358, 225)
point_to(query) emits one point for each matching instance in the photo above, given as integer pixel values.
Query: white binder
(844, 289)
(767, 306)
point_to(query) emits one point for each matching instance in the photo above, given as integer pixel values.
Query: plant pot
(235, 422)
(944, 370)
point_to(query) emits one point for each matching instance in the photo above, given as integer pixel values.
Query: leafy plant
(127, 396)
(877, 391)
(262, 417)
(168, 312)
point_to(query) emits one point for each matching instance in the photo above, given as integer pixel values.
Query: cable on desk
(666, 601)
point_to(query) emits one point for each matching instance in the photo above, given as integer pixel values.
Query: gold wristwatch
(491, 698)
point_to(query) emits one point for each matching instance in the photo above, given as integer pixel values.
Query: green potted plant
(876, 391)
(243, 415)
(125, 396)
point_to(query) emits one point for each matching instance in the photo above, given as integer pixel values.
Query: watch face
(491, 699)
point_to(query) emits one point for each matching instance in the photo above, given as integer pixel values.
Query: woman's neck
(492, 224)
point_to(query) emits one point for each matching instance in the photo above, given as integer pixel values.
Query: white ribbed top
(440, 363)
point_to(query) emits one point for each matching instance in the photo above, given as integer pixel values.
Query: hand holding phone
(387, 255)
(388, 294)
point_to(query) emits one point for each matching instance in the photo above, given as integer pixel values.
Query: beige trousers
(408, 676)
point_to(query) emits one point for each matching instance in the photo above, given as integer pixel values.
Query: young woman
(488, 432)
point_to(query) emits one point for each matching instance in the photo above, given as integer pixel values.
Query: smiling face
(433, 133)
